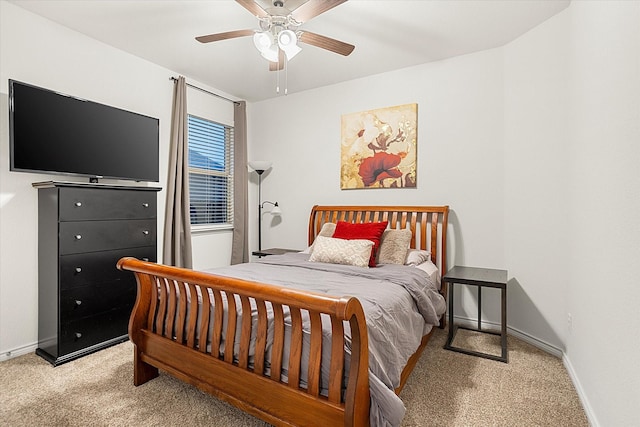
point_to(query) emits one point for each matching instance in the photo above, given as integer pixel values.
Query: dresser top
(51, 184)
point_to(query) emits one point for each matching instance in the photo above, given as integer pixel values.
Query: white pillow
(340, 251)
(327, 230)
(393, 246)
(432, 271)
(417, 256)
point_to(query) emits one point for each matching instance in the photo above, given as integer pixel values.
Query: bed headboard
(428, 224)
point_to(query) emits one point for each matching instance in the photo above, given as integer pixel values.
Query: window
(210, 172)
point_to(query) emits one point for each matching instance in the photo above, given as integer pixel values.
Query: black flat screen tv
(50, 132)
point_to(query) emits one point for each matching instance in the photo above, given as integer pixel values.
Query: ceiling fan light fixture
(288, 42)
(264, 42)
(286, 38)
(270, 54)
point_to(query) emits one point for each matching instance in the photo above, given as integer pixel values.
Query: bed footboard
(238, 360)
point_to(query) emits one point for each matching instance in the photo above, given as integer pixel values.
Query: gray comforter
(401, 304)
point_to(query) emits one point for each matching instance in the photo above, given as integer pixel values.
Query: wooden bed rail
(177, 325)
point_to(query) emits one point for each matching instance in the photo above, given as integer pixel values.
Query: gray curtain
(239, 247)
(177, 222)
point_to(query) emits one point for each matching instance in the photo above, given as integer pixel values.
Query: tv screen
(55, 133)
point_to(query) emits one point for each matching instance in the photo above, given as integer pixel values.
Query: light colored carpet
(445, 389)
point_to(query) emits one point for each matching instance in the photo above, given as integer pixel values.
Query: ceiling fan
(279, 32)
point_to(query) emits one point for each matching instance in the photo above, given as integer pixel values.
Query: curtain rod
(206, 91)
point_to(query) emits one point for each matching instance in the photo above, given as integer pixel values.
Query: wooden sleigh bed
(166, 330)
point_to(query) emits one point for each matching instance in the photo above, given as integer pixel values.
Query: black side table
(480, 277)
(272, 251)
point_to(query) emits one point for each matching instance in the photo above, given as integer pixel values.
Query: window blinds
(210, 172)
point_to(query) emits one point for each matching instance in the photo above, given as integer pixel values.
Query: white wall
(535, 146)
(460, 159)
(37, 51)
(536, 93)
(572, 120)
(603, 258)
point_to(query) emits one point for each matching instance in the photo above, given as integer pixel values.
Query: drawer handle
(78, 303)
(78, 269)
(145, 205)
(78, 204)
(78, 335)
(78, 236)
(145, 232)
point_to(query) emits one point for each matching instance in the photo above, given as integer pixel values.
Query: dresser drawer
(93, 236)
(88, 331)
(91, 300)
(98, 267)
(95, 204)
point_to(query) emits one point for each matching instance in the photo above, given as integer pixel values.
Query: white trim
(544, 346)
(206, 228)
(588, 410)
(18, 352)
(536, 342)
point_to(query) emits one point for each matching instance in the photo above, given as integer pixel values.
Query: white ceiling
(388, 35)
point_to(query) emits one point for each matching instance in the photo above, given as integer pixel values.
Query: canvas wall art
(379, 148)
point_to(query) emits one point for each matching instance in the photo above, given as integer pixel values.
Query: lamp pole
(260, 172)
(260, 166)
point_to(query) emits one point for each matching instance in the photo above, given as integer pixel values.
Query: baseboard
(529, 339)
(6, 355)
(588, 410)
(536, 342)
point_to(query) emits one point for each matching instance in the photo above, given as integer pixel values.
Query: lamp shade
(263, 41)
(270, 54)
(259, 165)
(288, 42)
(276, 211)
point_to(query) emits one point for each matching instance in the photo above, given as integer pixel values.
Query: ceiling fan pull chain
(286, 76)
(278, 80)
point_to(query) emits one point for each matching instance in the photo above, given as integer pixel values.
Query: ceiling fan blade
(326, 43)
(224, 36)
(275, 66)
(253, 7)
(313, 8)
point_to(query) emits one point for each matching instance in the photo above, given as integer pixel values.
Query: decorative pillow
(340, 251)
(326, 231)
(394, 245)
(367, 230)
(417, 256)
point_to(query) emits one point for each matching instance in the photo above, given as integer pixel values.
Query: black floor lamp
(260, 167)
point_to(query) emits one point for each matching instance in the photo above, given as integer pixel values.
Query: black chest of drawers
(84, 301)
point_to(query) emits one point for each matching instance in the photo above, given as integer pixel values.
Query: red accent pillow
(367, 230)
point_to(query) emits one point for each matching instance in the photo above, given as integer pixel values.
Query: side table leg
(450, 307)
(480, 308)
(504, 323)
